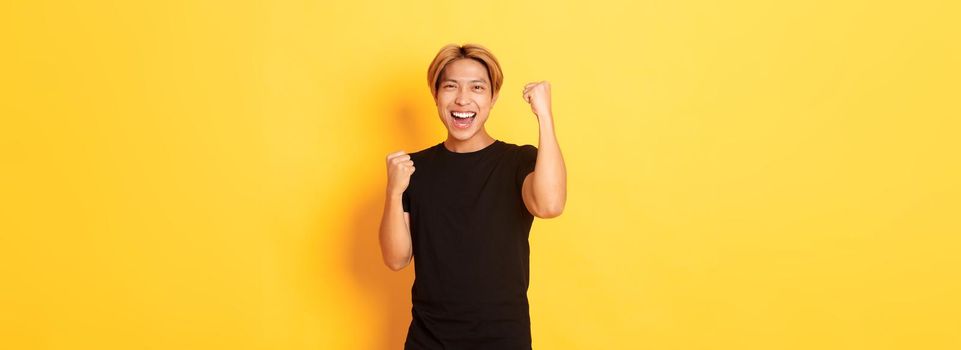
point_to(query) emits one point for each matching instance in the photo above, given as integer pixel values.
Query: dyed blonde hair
(451, 52)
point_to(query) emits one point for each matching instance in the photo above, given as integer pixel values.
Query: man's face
(464, 91)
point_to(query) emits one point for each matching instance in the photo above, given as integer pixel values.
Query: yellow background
(742, 175)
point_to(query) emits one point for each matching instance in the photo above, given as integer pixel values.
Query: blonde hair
(451, 52)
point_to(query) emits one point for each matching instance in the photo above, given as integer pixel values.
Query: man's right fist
(399, 169)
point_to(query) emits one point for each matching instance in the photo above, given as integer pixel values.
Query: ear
(494, 99)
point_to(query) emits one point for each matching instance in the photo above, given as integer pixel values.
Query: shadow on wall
(387, 292)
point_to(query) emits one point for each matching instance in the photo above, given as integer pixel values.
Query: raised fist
(538, 95)
(399, 170)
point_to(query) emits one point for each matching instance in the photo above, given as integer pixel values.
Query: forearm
(549, 180)
(395, 241)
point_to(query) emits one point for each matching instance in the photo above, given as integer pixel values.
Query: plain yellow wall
(742, 175)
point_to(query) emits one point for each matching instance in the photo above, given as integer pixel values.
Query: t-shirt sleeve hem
(526, 161)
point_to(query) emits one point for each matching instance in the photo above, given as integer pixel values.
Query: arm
(395, 241)
(545, 189)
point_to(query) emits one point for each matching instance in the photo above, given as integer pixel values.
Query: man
(465, 216)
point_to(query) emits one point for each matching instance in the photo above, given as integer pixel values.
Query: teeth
(463, 115)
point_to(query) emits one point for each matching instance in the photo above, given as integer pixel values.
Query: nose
(460, 99)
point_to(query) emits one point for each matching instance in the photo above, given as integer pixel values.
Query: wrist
(544, 116)
(392, 194)
(545, 120)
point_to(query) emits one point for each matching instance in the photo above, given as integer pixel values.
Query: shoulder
(526, 153)
(423, 153)
(520, 149)
(522, 156)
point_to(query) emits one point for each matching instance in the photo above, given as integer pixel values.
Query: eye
(448, 85)
(479, 87)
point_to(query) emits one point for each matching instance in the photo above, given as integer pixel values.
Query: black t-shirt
(469, 230)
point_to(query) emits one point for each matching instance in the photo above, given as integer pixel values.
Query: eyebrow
(472, 81)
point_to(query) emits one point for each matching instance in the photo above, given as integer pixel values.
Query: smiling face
(464, 99)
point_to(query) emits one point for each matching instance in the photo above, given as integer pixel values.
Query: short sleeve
(526, 159)
(405, 200)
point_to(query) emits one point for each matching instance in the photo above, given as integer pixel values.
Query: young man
(465, 215)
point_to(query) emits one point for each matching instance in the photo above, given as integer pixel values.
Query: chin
(461, 134)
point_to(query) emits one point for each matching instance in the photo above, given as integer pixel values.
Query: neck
(476, 143)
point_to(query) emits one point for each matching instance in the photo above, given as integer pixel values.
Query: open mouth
(463, 120)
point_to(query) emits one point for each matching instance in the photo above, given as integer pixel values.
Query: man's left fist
(538, 95)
